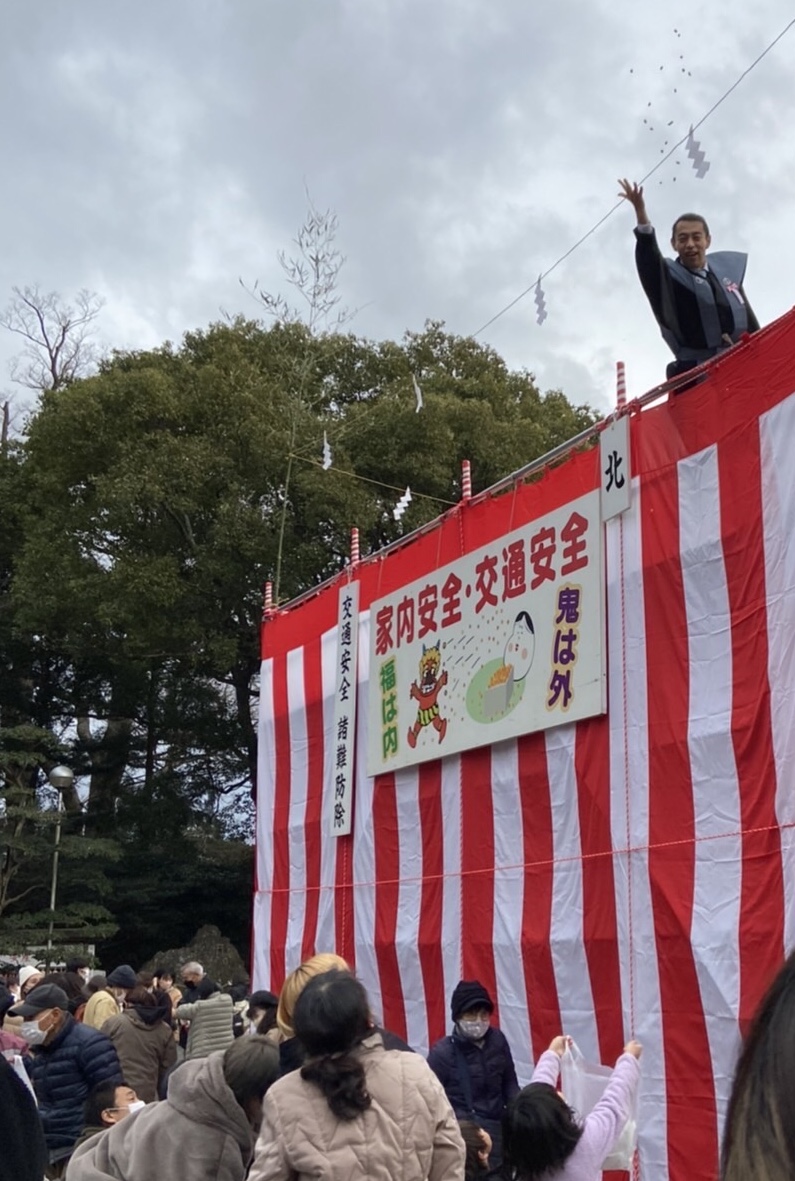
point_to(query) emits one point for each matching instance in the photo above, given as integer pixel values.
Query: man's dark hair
(164, 970)
(100, 1098)
(76, 963)
(70, 982)
(331, 1019)
(250, 1066)
(140, 997)
(689, 217)
(539, 1133)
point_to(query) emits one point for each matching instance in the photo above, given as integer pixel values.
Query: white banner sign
(614, 461)
(345, 708)
(505, 641)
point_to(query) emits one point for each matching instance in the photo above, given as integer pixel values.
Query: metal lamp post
(60, 778)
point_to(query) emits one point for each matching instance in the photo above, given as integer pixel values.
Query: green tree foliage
(154, 499)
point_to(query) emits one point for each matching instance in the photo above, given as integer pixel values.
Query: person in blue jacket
(474, 1064)
(698, 298)
(67, 1059)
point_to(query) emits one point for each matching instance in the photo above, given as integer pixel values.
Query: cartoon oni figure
(426, 694)
(521, 646)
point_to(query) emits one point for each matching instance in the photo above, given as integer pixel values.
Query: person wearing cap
(474, 1064)
(108, 1002)
(68, 1058)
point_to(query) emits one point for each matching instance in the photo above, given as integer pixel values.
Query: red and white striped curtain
(630, 875)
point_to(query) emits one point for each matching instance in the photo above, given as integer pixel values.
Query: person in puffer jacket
(354, 1110)
(210, 1018)
(475, 1065)
(67, 1059)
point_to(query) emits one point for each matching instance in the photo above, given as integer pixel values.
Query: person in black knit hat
(474, 1064)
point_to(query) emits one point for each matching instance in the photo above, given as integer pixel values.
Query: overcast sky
(157, 152)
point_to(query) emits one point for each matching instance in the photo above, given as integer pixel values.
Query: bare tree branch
(58, 346)
(314, 273)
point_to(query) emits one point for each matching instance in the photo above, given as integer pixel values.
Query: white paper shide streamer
(697, 156)
(541, 303)
(326, 453)
(402, 505)
(417, 393)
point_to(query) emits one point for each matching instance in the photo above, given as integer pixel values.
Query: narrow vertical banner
(616, 473)
(344, 736)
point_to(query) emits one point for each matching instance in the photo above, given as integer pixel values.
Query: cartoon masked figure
(521, 646)
(426, 694)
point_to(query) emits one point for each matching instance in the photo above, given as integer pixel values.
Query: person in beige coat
(354, 1109)
(210, 1020)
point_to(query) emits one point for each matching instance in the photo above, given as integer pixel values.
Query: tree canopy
(147, 505)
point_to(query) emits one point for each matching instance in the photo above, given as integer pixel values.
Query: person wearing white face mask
(204, 1130)
(106, 1105)
(475, 1065)
(67, 1059)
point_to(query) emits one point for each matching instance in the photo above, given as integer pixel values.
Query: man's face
(190, 979)
(691, 242)
(165, 982)
(122, 1099)
(49, 1022)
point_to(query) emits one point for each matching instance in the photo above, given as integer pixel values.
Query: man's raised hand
(633, 193)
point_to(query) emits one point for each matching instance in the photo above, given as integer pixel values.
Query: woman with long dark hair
(354, 1109)
(759, 1136)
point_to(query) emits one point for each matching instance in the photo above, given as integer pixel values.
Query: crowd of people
(128, 1077)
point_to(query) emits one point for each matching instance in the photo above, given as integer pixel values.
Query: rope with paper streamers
(400, 508)
(699, 163)
(367, 480)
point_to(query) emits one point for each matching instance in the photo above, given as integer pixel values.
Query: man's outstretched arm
(652, 271)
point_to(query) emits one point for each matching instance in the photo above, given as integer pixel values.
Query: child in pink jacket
(542, 1135)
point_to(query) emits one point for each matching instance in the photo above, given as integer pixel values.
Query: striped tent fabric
(631, 875)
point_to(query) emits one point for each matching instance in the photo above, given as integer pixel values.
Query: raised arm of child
(603, 1125)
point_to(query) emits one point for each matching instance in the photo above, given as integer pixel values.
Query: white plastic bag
(18, 1067)
(583, 1084)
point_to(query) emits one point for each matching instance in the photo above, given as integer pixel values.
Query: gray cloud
(157, 153)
